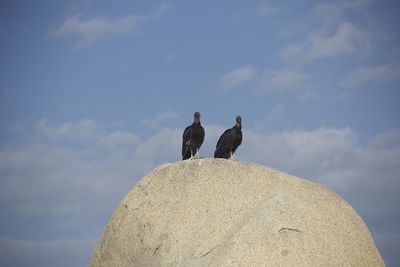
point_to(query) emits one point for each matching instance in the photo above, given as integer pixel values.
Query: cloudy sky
(94, 94)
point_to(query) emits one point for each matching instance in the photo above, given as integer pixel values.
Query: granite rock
(217, 212)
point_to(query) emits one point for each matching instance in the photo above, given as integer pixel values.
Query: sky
(95, 94)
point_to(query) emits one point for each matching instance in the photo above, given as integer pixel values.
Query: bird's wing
(187, 134)
(202, 135)
(223, 137)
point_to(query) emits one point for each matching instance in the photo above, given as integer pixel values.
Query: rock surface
(217, 212)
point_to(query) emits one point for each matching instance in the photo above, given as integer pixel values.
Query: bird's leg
(191, 154)
(232, 157)
(197, 153)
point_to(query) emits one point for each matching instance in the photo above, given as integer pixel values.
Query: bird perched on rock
(229, 141)
(193, 137)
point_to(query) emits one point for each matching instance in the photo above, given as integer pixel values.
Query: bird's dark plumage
(193, 137)
(229, 141)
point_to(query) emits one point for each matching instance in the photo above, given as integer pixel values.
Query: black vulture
(229, 141)
(193, 137)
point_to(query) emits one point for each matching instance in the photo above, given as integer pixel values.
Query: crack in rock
(289, 229)
(156, 249)
(205, 254)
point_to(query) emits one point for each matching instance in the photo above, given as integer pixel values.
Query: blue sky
(95, 94)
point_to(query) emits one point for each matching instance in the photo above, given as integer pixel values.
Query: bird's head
(197, 117)
(238, 121)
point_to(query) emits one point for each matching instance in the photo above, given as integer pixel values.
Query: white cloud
(319, 45)
(367, 75)
(270, 81)
(303, 152)
(56, 179)
(386, 140)
(328, 31)
(162, 147)
(236, 78)
(334, 11)
(89, 30)
(162, 119)
(83, 130)
(118, 139)
(283, 81)
(341, 42)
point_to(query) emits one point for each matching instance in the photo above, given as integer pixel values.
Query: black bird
(229, 141)
(193, 137)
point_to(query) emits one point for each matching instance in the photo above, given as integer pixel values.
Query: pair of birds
(193, 137)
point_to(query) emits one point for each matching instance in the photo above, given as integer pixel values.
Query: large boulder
(217, 212)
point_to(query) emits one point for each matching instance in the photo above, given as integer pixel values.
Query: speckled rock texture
(217, 212)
